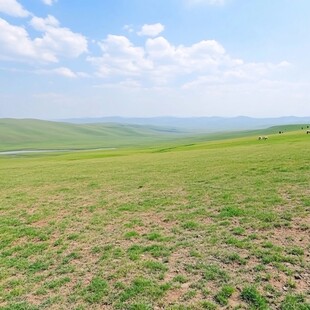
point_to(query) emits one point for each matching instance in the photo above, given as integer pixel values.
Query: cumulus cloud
(151, 30)
(55, 42)
(44, 24)
(160, 63)
(15, 41)
(13, 8)
(49, 2)
(158, 58)
(120, 57)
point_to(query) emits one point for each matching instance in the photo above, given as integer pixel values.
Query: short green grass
(203, 225)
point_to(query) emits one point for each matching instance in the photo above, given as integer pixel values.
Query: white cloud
(13, 8)
(160, 48)
(120, 57)
(66, 72)
(15, 41)
(152, 30)
(43, 24)
(242, 74)
(16, 44)
(284, 64)
(58, 40)
(160, 63)
(61, 71)
(158, 59)
(49, 2)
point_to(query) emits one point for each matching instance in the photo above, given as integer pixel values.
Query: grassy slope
(38, 134)
(194, 226)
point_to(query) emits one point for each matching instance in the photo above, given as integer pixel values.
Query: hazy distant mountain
(23, 134)
(206, 124)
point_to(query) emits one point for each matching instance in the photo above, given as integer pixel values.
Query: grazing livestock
(262, 138)
(308, 131)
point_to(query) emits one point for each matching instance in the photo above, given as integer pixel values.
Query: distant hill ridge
(206, 124)
(40, 134)
(26, 134)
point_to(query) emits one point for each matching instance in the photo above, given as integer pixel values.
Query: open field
(195, 225)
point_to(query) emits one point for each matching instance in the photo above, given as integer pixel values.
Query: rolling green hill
(30, 134)
(37, 134)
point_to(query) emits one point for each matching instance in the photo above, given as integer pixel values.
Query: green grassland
(37, 134)
(220, 224)
(32, 134)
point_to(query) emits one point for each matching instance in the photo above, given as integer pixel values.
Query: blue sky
(66, 59)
